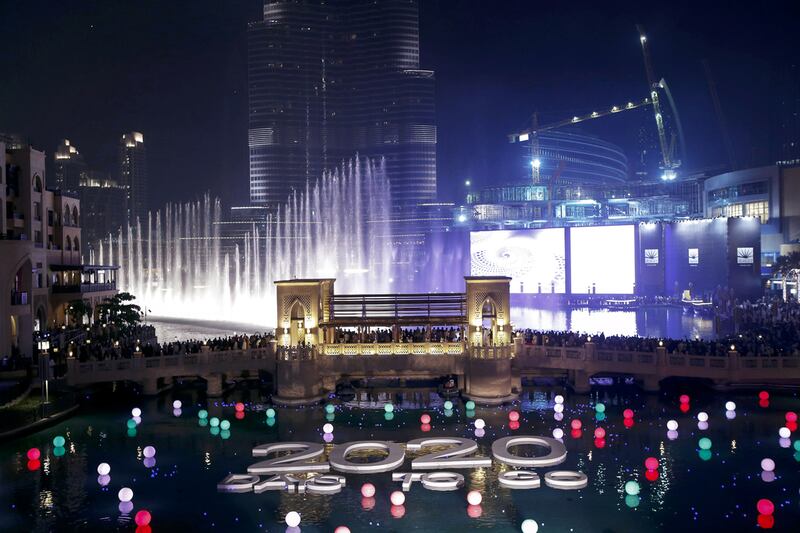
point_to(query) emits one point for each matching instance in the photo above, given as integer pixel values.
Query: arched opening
(67, 217)
(37, 183)
(76, 245)
(488, 322)
(68, 244)
(297, 327)
(40, 321)
(75, 216)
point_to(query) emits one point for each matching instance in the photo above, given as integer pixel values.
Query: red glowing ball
(576, 433)
(684, 407)
(239, 407)
(763, 403)
(599, 433)
(651, 463)
(513, 425)
(575, 424)
(474, 511)
(34, 465)
(34, 454)
(142, 518)
(513, 416)
(425, 418)
(398, 511)
(651, 475)
(368, 504)
(600, 443)
(766, 521)
(425, 428)
(791, 416)
(144, 529)
(627, 413)
(765, 506)
(628, 422)
(763, 395)
(792, 426)
(239, 415)
(684, 398)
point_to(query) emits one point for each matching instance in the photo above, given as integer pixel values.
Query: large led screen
(533, 258)
(602, 260)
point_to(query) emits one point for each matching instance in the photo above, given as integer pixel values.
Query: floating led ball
(791, 416)
(270, 422)
(513, 416)
(177, 404)
(672, 435)
(103, 481)
(763, 395)
(149, 451)
(58, 451)
(34, 465)
(225, 425)
(529, 525)
(599, 433)
(239, 407)
(513, 425)
(684, 408)
(672, 425)
(704, 443)
(59, 441)
(599, 416)
(767, 464)
(342, 529)
(600, 443)
(397, 511)
(632, 488)
(797, 445)
(765, 506)
(103, 469)
(627, 413)
(270, 413)
(329, 408)
(558, 433)
(600, 408)
(575, 424)
(479, 432)
(214, 421)
(684, 398)
(389, 408)
(425, 418)
(628, 423)
(558, 408)
(470, 405)
(368, 490)
(125, 494)
(142, 518)
(202, 414)
(558, 416)
(327, 428)
(474, 511)
(730, 406)
(34, 454)
(397, 498)
(632, 500)
(651, 463)
(559, 399)
(702, 416)
(292, 519)
(479, 423)
(766, 521)
(327, 437)
(388, 416)
(136, 412)
(448, 405)
(474, 497)
(651, 475)
(784, 433)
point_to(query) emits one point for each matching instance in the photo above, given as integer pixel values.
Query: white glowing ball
(559, 399)
(558, 408)
(480, 424)
(177, 404)
(103, 469)
(125, 494)
(730, 406)
(397, 498)
(672, 425)
(530, 526)
(149, 452)
(327, 428)
(136, 412)
(342, 529)
(558, 433)
(702, 426)
(702, 416)
(730, 415)
(474, 497)
(767, 465)
(292, 519)
(785, 432)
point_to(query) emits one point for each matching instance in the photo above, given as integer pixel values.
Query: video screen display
(533, 258)
(602, 259)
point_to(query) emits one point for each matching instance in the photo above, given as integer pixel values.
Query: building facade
(69, 167)
(103, 203)
(331, 79)
(133, 176)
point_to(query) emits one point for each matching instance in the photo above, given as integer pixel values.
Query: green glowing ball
(225, 434)
(448, 412)
(330, 408)
(797, 445)
(270, 413)
(202, 414)
(470, 405)
(704, 443)
(705, 455)
(632, 501)
(270, 422)
(60, 441)
(797, 456)
(59, 451)
(215, 430)
(202, 422)
(214, 422)
(470, 413)
(131, 432)
(131, 424)
(448, 405)
(330, 417)
(600, 408)
(224, 425)
(388, 416)
(389, 408)
(599, 416)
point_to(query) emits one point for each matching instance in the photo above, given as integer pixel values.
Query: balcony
(84, 288)
(19, 298)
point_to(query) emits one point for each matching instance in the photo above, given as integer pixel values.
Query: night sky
(176, 71)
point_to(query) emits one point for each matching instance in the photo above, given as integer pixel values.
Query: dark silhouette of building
(103, 203)
(332, 78)
(69, 167)
(786, 115)
(133, 176)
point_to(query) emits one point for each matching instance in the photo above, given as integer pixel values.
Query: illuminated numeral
(566, 480)
(298, 461)
(520, 479)
(557, 452)
(451, 458)
(339, 456)
(237, 483)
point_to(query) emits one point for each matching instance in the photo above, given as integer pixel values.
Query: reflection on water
(688, 493)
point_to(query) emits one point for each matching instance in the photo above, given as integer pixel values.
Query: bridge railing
(394, 348)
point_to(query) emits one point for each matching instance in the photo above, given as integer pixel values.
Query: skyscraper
(69, 166)
(785, 134)
(133, 176)
(329, 79)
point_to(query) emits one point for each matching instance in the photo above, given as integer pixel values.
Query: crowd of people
(384, 335)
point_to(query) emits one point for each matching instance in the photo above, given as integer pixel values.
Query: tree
(119, 311)
(788, 267)
(77, 309)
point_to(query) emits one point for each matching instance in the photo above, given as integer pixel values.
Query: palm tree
(788, 267)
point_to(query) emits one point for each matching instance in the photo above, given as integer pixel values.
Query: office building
(69, 167)
(133, 176)
(103, 203)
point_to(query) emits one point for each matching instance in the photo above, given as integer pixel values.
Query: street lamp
(44, 368)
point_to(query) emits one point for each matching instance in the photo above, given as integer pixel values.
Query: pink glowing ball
(142, 518)
(763, 395)
(791, 416)
(397, 498)
(425, 418)
(628, 423)
(368, 490)
(627, 413)
(575, 424)
(474, 497)
(368, 504)
(34, 454)
(765, 506)
(651, 463)
(684, 398)
(600, 443)
(398, 511)
(513, 425)
(342, 529)
(474, 511)
(239, 407)
(651, 475)
(513, 416)
(599, 433)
